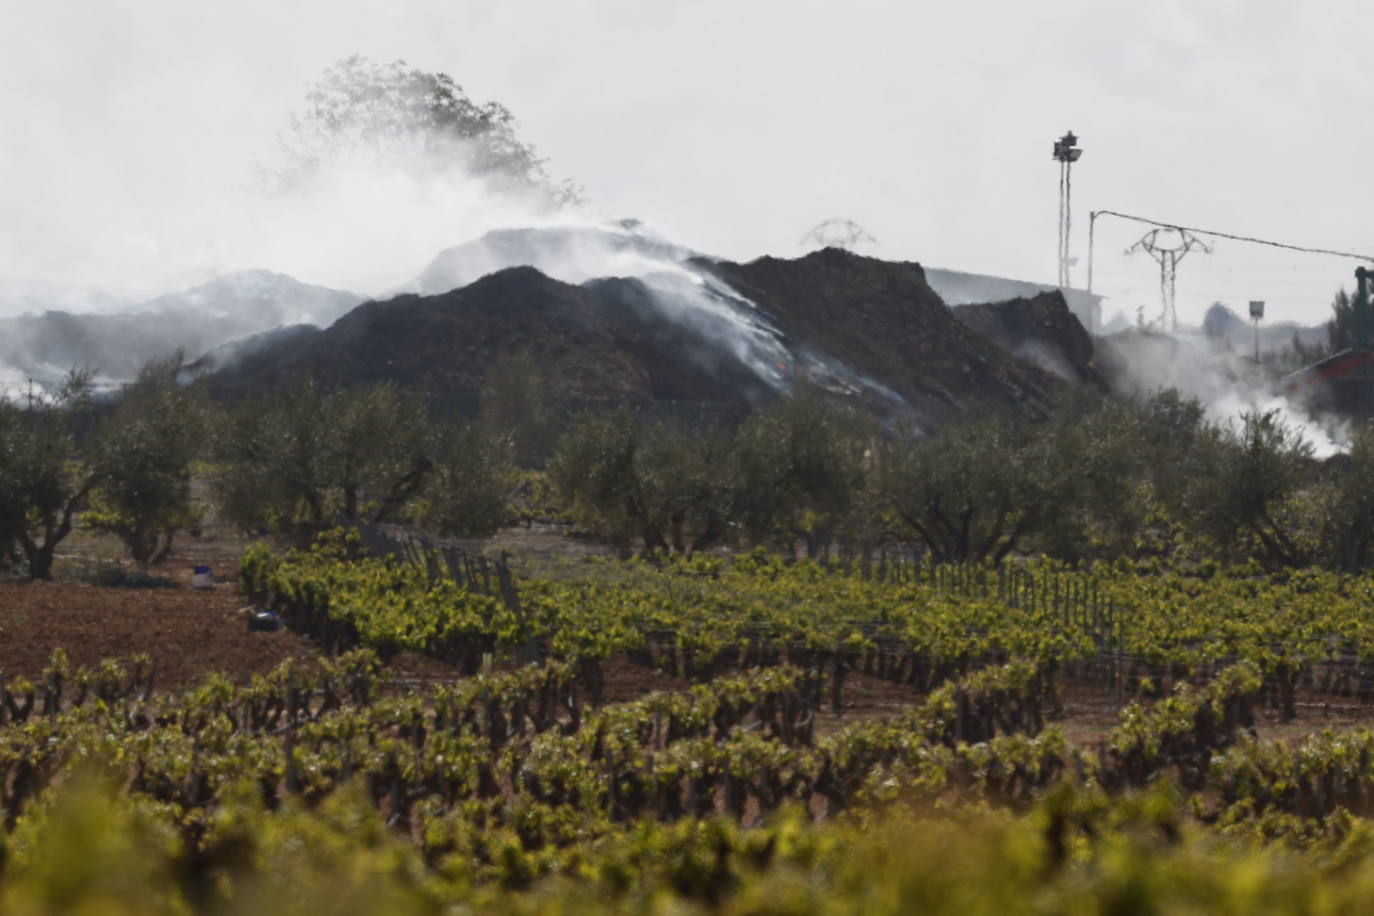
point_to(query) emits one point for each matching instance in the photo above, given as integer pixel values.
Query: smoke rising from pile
(579, 250)
(370, 220)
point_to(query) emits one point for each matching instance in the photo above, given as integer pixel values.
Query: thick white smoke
(371, 221)
(368, 226)
(1227, 383)
(577, 250)
(357, 221)
(195, 277)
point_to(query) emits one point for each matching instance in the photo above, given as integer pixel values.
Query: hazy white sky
(732, 127)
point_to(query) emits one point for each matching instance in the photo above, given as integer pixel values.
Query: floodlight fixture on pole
(1256, 315)
(1066, 153)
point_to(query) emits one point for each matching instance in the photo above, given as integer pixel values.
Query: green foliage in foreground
(85, 849)
(502, 793)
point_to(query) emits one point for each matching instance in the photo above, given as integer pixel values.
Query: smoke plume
(1225, 382)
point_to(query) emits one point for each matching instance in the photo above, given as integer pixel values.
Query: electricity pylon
(1168, 258)
(836, 233)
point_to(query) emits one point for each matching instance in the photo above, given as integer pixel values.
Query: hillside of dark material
(246, 348)
(881, 319)
(1041, 330)
(864, 328)
(599, 343)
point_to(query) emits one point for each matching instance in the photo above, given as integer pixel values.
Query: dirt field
(187, 632)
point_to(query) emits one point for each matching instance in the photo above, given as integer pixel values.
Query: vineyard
(521, 783)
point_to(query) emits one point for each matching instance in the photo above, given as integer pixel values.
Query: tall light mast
(1066, 153)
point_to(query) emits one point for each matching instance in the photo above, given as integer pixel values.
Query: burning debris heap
(863, 328)
(883, 321)
(1040, 330)
(610, 313)
(601, 342)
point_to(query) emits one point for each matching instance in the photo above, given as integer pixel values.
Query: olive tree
(668, 487)
(44, 478)
(593, 475)
(470, 492)
(1348, 529)
(801, 471)
(517, 403)
(13, 510)
(143, 462)
(1116, 474)
(1099, 478)
(305, 460)
(394, 115)
(968, 492)
(1250, 489)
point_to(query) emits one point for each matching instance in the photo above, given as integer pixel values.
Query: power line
(1212, 275)
(1227, 256)
(1213, 281)
(1092, 220)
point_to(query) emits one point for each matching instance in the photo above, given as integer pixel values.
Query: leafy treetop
(398, 115)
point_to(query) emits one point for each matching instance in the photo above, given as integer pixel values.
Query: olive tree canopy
(394, 116)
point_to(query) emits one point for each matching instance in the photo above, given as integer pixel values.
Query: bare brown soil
(623, 681)
(865, 695)
(1087, 714)
(187, 632)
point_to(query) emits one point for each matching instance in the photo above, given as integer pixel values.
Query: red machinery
(1346, 361)
(1333, 367)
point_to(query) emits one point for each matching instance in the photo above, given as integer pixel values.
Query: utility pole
(1168, 258)
(1256, 315)
(1066, 153)
(1364, 279)
(1364, 282)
